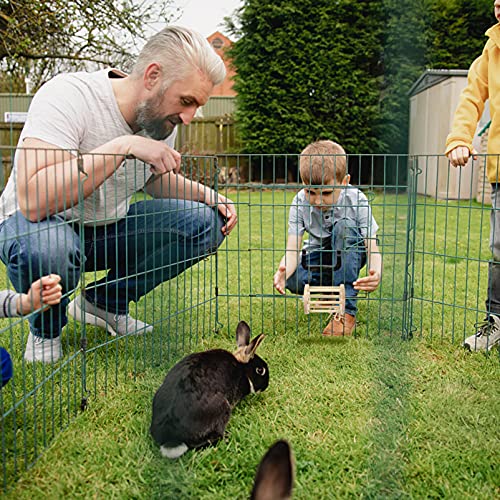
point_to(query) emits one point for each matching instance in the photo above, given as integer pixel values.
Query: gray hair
(179, 51)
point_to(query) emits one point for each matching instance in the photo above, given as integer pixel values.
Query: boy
(342, 234)
(43, 292)
(483, 83)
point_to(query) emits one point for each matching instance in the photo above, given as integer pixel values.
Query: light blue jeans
(157, 240)
(338, 262)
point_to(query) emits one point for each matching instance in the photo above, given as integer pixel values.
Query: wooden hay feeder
(324, 299)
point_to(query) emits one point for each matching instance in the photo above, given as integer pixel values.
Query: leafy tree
(455, 31)
(307, 70)
(403, 61)
(43, 37)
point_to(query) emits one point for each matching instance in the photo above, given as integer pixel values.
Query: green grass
(371, 416)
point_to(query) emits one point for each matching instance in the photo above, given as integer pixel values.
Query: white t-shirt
(79, 112)
(352, 204)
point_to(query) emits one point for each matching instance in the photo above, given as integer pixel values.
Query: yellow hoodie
(483, 83)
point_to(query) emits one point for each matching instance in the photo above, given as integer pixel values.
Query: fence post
(413, 172)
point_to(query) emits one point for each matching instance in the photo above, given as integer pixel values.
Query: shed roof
(431, 77)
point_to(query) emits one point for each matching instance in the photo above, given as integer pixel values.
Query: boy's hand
(368, 283)
(43, 292)
(280, 280)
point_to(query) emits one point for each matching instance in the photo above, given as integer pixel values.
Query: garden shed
(433, 100)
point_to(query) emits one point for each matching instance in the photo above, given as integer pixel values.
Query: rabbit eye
(260, 370)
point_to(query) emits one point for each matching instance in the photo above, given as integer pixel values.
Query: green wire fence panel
(187, 281)
(263, 188)
(165, 249)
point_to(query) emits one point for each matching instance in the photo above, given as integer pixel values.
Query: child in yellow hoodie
(483, 84)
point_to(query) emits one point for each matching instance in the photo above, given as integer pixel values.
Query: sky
(205, 16)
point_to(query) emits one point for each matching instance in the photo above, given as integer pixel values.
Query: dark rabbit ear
(274, 478)
(242, 334)
(242, 341)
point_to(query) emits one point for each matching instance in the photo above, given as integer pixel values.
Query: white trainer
(82, 310)
(42, 349)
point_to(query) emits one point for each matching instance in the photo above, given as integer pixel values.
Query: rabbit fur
(274, 477)
(193, 405)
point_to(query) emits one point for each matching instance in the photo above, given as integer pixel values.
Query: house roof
(224, 39)
(431, 77)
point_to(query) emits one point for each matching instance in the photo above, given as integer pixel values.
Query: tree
(307, 70)
(403, 60)
(455, 31)
(43, 37)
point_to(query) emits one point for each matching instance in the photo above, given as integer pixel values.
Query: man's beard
(156, 127)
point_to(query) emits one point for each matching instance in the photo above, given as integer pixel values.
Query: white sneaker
(486, 337)
(82, 310)
(42, 349)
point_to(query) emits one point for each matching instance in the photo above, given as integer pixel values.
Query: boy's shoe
(42, 349)
(487, 336)
(81, 309)
(340, 325)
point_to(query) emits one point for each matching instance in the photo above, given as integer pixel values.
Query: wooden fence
(203, 137)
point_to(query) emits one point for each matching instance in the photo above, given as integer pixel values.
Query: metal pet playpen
(435, 254)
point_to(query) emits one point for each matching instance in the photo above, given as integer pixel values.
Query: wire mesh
(435, 266)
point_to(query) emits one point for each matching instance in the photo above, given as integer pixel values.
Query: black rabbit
(274, 478)
(193, 405)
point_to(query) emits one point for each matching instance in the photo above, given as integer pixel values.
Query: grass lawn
(371, 416)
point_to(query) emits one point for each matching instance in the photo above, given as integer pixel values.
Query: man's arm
(175, 185)
(288, 263)
(374, 258)
(48, 177)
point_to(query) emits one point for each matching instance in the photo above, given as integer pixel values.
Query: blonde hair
(180, 51)
(322, 162)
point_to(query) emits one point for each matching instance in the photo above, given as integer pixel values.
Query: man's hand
(226, 208)
(43, 293)
(162, 158)
(368, 283)
(279, 280)
(460, 156)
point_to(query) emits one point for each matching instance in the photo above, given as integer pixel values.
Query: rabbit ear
(274, 478)
(242, 341)
(242, 334)
(250, 350)
(245, 353)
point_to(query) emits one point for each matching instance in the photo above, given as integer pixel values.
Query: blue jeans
(338, 262)
(157, 240)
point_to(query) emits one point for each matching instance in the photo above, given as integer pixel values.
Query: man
(483, 83)
(90, 142)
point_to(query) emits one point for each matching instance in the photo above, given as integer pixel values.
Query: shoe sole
(46, 360)
(90, 319)
(337, 335)
(473, 348)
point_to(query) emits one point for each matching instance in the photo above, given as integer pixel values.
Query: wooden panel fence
(203, 137)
